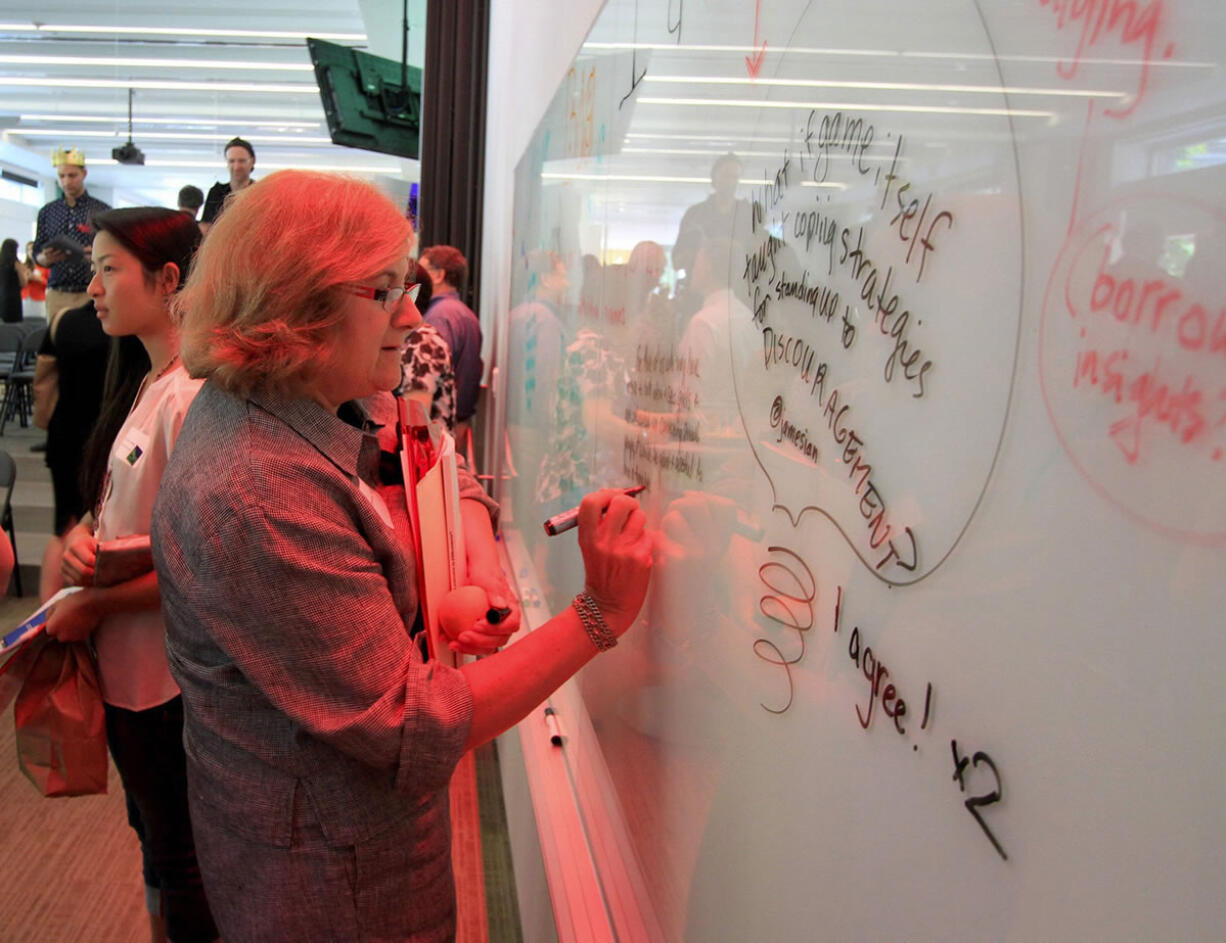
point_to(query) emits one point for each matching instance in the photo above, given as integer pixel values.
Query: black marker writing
(635, 76)
(876, 672)
(822, 301)
(906, 212)
(876, 294)
(975, 803)
(675, 27)
(835, 134)
(790, 604)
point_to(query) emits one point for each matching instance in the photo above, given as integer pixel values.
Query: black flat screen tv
(371, 103)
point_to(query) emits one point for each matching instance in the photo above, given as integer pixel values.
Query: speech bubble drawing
(879, 273)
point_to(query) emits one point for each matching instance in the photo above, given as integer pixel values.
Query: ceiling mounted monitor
(370, 102)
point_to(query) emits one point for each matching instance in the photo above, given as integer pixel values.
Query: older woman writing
(319, 742)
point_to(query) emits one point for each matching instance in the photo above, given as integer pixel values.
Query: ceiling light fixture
(901, 53)
(178, 31)
(182, 122)
(885, 86)
(695, 151)
(847, 106)
(107, 62)
(267, 140)
(267, 165)
(35, 82)
(643, 178)
(722, 138)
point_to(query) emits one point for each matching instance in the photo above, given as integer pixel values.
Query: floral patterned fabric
(576, 458)
(427, 367)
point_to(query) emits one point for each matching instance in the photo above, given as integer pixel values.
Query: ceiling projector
(128, 153)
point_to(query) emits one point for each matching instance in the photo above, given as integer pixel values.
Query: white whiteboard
(936, 418)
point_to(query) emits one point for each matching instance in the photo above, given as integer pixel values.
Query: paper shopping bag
(61, 727)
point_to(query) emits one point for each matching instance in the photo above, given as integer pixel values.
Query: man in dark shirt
(70, 216)
(190, 200)
(459, 327)
(240, 158)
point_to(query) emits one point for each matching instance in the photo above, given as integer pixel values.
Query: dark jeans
(147, 747)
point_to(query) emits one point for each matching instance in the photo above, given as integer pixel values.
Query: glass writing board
(912, 319)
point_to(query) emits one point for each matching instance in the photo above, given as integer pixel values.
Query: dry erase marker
(551, 721)
(560, 523)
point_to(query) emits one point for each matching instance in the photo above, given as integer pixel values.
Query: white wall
(17, 222)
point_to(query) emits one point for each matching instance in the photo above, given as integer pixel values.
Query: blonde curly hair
(266, 294)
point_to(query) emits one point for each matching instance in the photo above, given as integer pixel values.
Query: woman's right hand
(80, 552)
(617, 553)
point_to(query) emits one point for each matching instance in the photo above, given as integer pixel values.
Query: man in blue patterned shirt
(71, 216)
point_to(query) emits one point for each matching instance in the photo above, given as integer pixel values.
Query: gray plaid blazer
(311, 720)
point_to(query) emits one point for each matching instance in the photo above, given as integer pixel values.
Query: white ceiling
(202, 72)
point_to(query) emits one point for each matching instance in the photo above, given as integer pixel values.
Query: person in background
(77, 349)
(70, 216)
(8, 560)
(141, 257)
(425, 377)
(35, 293)
(537, 338)
(427, 374)
(34, 305)
(12, 280)
(457, 325)
(190, 200)
(720, 216)
(320, 743)
(240, 160)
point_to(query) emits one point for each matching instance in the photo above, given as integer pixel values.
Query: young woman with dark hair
(141, 258)
(12, 279)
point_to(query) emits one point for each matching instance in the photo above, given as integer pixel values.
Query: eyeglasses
(388, 297)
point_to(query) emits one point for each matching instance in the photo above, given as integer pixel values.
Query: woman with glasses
(320, 743)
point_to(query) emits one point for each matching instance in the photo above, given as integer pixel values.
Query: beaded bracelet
(593, 622)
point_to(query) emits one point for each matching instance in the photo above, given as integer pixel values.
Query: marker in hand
(560, 523)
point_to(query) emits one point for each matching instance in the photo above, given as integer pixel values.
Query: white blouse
(131, 646)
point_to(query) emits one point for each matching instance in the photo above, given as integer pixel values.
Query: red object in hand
(461, 608)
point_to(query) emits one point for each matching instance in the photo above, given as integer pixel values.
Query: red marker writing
(560, 523)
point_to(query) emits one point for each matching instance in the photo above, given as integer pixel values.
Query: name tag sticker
(131, 447)
(376, 502)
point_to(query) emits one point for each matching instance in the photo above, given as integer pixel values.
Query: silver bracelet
(593, 622)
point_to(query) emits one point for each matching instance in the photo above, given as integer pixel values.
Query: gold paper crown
(73, 155)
